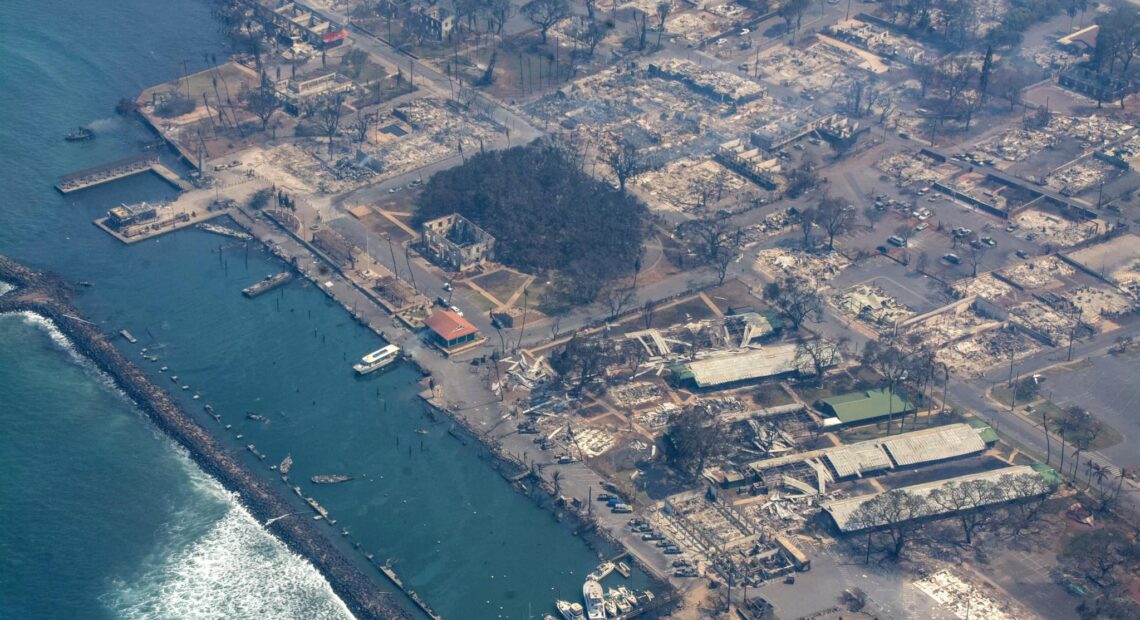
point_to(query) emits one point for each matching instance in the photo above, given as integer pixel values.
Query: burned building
(456, 243)
(129, 215)
(433, 21)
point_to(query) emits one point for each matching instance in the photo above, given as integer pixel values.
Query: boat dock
(116, 170)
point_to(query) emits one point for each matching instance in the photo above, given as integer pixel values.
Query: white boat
(605, 569)
(377, 359)
(611, 606)
(569, 611)
(630, 597)
(595, 602)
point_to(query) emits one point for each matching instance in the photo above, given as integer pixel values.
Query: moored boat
(569, 611)
(595, 602)
(377, 359)
(604, 570)
(611, 606)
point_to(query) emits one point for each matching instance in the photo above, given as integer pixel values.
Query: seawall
(47, 296)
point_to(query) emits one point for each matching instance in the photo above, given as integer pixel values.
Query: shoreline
(46, 296)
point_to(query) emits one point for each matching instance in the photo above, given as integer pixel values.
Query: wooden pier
(121, 169)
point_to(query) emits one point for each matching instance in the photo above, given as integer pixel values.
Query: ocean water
(81, 538)
(106, 517)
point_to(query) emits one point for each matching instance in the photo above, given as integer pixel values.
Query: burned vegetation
(546, 213)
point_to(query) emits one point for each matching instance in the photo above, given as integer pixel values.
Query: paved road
(1021, 429)
(425, 77)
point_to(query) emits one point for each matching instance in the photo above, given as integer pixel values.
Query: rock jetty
(47, 296)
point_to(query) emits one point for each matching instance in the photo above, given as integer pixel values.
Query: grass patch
(481, 303)
(502, 284)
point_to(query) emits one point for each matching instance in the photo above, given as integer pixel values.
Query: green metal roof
(1048, 473)
(859, 406)
(986, 431)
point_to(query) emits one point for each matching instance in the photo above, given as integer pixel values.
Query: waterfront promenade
(459, 390)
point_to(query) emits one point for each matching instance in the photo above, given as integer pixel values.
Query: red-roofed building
(449, 330)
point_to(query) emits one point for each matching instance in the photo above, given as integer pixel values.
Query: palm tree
(522, 330)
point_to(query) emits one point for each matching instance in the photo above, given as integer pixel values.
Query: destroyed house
(294, 21)
(433, 21)
(127, 215)
(856, 407)
(739, 366)
(296, 93)
(456, 243)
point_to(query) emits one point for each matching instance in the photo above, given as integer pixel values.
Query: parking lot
(1107, 388)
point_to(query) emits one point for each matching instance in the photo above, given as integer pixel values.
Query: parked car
(951, 258)
(921, 227)
(897, 240)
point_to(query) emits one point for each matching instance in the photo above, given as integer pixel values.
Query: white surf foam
(236, 569)
(5, 287)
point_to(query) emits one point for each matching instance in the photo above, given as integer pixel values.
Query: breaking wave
(234, 569)
(206, 566)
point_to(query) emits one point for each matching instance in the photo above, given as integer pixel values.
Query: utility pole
(1073, 333)
(411, 276)
(395, 267)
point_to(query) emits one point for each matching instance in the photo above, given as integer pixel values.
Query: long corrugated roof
(752, 364)
(857, 458)
(842, 510)
(939, 443)
(911, 448)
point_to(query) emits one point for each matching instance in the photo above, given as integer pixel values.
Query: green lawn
(502, 284)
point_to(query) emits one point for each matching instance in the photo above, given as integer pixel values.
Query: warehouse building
(843, 511)
(739, 366)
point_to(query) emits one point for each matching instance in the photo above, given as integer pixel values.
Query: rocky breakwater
(47, 296)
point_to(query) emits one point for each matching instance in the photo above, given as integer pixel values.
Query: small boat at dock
(595, 601)
(377, 359)
(224, 231)
(127, 335)
(569, 611)
(269, 283)
(604, 570)
(623, 569)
